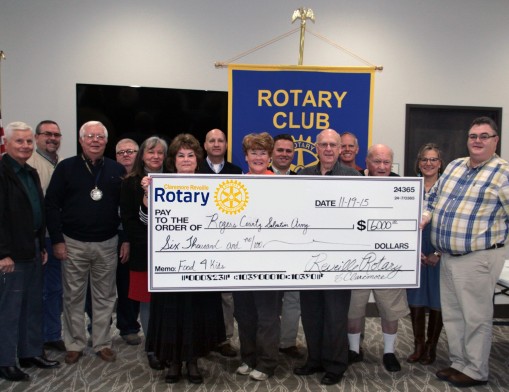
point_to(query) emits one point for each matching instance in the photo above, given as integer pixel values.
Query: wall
(450, 52)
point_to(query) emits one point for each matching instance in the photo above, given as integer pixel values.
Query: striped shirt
(469, 207)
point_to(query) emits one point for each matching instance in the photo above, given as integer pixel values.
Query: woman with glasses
(428, 165)
(150, 159)
(184, 325)
(257, 312)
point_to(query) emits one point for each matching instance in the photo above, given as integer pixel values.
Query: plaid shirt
(469, 207)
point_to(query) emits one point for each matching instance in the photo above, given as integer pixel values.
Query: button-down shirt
(469, 207)
(216, 168)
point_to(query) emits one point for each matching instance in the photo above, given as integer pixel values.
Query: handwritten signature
(368, 263)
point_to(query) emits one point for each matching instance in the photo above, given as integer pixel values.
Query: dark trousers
(21, 312)
(257, 315)
(52, 296)
(324, 315)
(127, 309)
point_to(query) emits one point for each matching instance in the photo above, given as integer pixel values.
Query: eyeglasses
(126, 152)
(91, 136)
(325, 145)
(426, 160)
(482, 136)
(50, 134)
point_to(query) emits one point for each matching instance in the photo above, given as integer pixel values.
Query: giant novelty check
(209, 232)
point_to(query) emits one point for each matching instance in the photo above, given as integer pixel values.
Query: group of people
(95, 212)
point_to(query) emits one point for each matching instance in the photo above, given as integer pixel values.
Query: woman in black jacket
(150, 159)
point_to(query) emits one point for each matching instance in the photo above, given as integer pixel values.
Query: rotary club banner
(300, 101)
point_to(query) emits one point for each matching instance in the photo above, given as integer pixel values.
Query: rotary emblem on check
(231, 197)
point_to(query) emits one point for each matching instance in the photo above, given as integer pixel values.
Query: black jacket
(228, 168)
(17, 236)
(131, 198)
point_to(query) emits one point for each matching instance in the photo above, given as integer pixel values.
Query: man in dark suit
(215, 146)
(21, 257)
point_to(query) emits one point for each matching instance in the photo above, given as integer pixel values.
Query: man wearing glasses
(324, 312)
(44, 160)
(82, 202)
(126, 151)
(127, 309)
(469, 214)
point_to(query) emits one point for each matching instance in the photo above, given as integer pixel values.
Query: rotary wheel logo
(305, 153)
(231, 197)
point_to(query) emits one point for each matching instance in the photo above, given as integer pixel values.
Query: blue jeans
(21, 312)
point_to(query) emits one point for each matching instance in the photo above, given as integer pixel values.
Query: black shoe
(154, 362)
(445, 374)
(354, 357)
(391, 363)
(193, 373)
(174, 373)
(57, 345)
(226, 350)
(13, 373)
(307, 370)
(331, 378)
(292, 351)
(461, 380)
(41, 362)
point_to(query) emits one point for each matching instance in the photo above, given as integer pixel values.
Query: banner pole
(2, 57)
(302, 14)
(2, 136)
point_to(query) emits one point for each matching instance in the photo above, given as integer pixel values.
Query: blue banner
(301, 101)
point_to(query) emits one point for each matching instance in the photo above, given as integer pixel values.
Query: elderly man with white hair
(21, 257)
(82, 204)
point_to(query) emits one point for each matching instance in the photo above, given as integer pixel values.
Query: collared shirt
(216, 168)
(22, 172)
(469, 207)
(47, 157)
(278, 172)
(44, 165)
(337, 170)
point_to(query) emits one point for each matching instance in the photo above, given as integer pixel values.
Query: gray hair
(126, 140)
(151, 142)
(373, 149)
(319, 136)
(352, 135)
(17, 126)
(84, 127)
